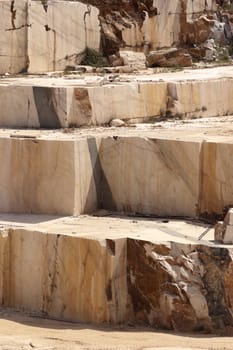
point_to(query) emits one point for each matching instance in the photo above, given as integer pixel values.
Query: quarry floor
(21, 332)
(216, 129)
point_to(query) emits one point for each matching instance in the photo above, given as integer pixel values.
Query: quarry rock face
(38, 37)
(55, 42)
(184, 287)
(127, 263)
(181, 288)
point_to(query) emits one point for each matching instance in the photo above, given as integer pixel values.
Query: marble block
(59, 177)
(13, 36)
(150, 176)
(216, 185)
(59, 34)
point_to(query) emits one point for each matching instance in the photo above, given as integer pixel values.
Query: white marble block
(13, 36)
(59, 34)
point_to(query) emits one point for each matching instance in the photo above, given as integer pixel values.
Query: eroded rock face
(180, 287)
(197, 31)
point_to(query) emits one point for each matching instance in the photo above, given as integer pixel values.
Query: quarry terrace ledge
(96, 269)
(148, 169)
(87, 100)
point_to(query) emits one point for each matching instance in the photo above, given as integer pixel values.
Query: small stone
(117, 122)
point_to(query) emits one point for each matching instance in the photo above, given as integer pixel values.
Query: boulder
(169, 58)
(117, 123)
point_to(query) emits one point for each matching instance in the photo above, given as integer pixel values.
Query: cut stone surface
(13, 31)
(96, 100)
(55, 42)
(146, 169)
(39, 38)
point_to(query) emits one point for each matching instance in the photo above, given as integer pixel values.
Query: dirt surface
(20, 331)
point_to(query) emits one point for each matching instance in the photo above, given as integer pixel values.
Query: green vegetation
(94, 58)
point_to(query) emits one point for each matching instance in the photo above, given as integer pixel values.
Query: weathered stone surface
(197, 31)
(169, 58)
(184, 282)
(228, 220)
(163, 30)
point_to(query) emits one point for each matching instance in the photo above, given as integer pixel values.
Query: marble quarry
(41, 37)
(116, 186)
(115, 215)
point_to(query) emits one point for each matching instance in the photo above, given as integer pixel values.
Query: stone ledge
(93, 100)
(81, 275)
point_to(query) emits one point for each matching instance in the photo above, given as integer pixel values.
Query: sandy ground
(20, 331)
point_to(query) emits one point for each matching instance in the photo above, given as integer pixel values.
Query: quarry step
(145, 169)
(96, 100)
(115, 269)
(112, 225)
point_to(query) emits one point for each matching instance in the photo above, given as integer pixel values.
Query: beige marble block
(216, 185)
(37, 177)
(163, 30)
(129, 101)
(13, 36)
(202, 98)
(151, 176)
(68, 278)
(59, 35)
